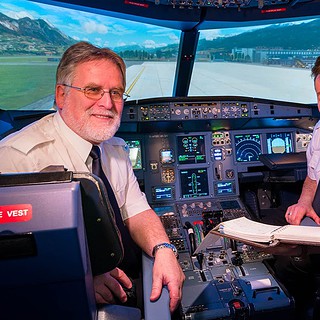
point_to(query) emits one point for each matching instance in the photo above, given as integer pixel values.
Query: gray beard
(94, 136)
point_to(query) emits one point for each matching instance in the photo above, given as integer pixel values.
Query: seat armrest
(157, 310)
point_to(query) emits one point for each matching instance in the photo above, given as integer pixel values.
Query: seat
(54, 236)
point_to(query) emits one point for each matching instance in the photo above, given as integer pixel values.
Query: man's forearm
(308, 191)
(147, 230)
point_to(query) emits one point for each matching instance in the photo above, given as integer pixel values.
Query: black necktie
(132, 253)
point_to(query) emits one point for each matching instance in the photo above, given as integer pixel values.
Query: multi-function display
(247, 147)
(135, 153)
(280, 142)
(191, 149)
(194, 183)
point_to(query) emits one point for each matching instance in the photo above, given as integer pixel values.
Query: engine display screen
(194, 183)
(247, 147)
(191, 149)
(135, 153)
(224, 188)
(280, 142)
(162, 193)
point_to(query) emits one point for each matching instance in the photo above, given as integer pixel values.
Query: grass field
(24, 80)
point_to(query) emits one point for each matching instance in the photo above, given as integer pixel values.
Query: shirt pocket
(119, 185)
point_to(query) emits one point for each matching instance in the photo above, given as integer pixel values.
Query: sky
(97, 29)
(103, 30)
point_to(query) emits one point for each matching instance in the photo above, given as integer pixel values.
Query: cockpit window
(34, 36)
(262, 61)
(270, 61)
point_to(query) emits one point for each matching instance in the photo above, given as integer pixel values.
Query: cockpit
(220, 111)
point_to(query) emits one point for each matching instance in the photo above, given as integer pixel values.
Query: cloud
(19, 15)
(120, 29)
(121, 44)
(101, 42)
(210, 34)
(151, 44)
(92, 27)
(157, 33)
(16, 12)
(173, 37)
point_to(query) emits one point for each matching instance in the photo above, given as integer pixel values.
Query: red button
(236, 304)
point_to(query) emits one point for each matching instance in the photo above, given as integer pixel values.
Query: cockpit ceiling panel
(197, 14)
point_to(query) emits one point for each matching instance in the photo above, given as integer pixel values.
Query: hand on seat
(298, 211)
(109, 287)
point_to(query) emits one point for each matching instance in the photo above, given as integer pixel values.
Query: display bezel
(136, 160)
(197, 151)
(162, 193)
(253, 150)
(286, 137)
(185, 183)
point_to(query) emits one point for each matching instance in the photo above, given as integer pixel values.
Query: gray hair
(84, 52)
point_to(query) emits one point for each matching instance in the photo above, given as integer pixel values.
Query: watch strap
(164, 245)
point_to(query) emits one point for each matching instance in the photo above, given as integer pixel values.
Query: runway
(155, 79)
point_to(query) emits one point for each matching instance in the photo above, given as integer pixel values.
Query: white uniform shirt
(313, 154)
(49, 141)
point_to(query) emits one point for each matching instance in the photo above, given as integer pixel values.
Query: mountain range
(301, 36)
(35, 36)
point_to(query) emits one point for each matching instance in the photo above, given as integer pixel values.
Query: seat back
(104, 239)
(45, 256)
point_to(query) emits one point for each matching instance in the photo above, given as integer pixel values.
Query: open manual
(264, 235)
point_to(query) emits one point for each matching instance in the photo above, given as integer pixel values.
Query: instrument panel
(205, 164)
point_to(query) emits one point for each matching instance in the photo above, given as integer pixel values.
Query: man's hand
(108, 287)
(167, 271)
(298, 211)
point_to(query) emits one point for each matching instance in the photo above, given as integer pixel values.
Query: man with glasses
(89, 97)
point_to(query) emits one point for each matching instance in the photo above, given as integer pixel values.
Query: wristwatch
(165, 245)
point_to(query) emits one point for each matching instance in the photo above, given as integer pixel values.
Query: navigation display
(280, 142)
(135, 153)
(191, 149)
(194, 183)
(247, 147)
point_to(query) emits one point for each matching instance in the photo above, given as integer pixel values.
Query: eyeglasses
(96, 93)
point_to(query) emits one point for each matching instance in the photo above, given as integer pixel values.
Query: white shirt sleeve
(313, 154)
(118, 169)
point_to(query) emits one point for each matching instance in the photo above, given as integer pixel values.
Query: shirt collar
(82, 146)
